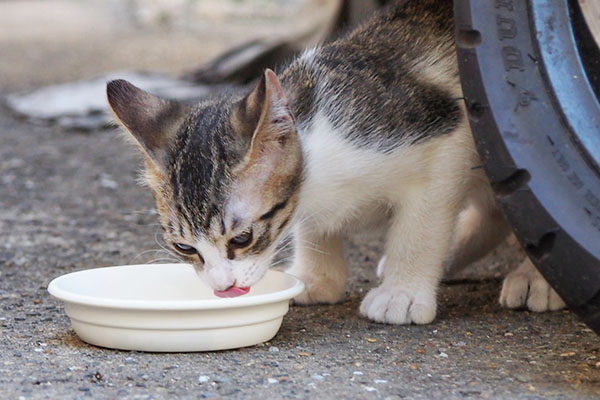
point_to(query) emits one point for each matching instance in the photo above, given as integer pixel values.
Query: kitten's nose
(218, 276)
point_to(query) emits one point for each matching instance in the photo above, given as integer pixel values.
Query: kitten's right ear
(152, 121)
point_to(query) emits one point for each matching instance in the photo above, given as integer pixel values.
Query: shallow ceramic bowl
(166, 307)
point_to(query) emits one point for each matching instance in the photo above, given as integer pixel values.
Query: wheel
(531, 80)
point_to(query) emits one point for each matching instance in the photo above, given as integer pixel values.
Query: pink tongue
(233, 291)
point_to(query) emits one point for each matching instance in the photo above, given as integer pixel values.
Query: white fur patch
(308, 55)
(422, 188)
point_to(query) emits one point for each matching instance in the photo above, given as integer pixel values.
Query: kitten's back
(388, 83)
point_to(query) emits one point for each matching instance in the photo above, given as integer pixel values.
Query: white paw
(318, 289)
(526, 286)
(395, 305)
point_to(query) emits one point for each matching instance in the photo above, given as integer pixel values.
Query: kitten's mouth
(233, 291)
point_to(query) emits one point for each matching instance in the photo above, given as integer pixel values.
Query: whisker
(132, 261)
(161, 260)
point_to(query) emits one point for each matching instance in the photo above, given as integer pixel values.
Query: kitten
(366, 131)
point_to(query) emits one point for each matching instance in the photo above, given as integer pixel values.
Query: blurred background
(55, 41)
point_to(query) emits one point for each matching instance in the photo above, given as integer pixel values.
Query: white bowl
(167, 307)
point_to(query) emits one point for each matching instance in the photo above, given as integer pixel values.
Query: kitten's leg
(526, 286)
(417, 244)
(480, 227)
(319, 263)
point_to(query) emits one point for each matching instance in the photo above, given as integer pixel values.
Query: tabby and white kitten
(366, 131)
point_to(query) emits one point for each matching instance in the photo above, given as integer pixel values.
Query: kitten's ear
(152, 121)
(264, 115)
(273, 163)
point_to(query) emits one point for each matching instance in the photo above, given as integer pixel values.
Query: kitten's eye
(185, 249)
(242, 240)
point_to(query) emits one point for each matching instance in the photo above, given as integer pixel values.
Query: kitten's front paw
(395, 305)
(526, 286)
(318, 289)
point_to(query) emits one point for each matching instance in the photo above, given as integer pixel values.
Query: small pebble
(317, 377)
(568, 354)
(508, 334)
(357, 373)
(371, 340)
(304, 354)
(273, 349)
(107, 182)
(203, 379)
(443, 355)
(272, 380)
(370, 388)
(380, 381)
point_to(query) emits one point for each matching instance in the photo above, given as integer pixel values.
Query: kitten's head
(225, 174)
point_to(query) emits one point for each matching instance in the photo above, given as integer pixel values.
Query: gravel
(57, 215)
(70, 201)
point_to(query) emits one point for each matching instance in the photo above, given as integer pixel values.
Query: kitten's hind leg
(416, 247)
(480, 227)
(525, 286)
(319, 263)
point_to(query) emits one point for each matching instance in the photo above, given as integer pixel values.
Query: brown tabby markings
(198, 158)
(235, 163)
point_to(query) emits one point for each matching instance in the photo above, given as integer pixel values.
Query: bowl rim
(208, 304)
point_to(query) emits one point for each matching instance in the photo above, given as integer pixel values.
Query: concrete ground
(69, 201)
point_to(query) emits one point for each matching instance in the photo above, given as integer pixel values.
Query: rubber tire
(533, 108)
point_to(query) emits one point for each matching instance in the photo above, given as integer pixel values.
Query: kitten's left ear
(152, 121)
(264, 115)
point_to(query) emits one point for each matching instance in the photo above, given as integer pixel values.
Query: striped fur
(367, 130)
